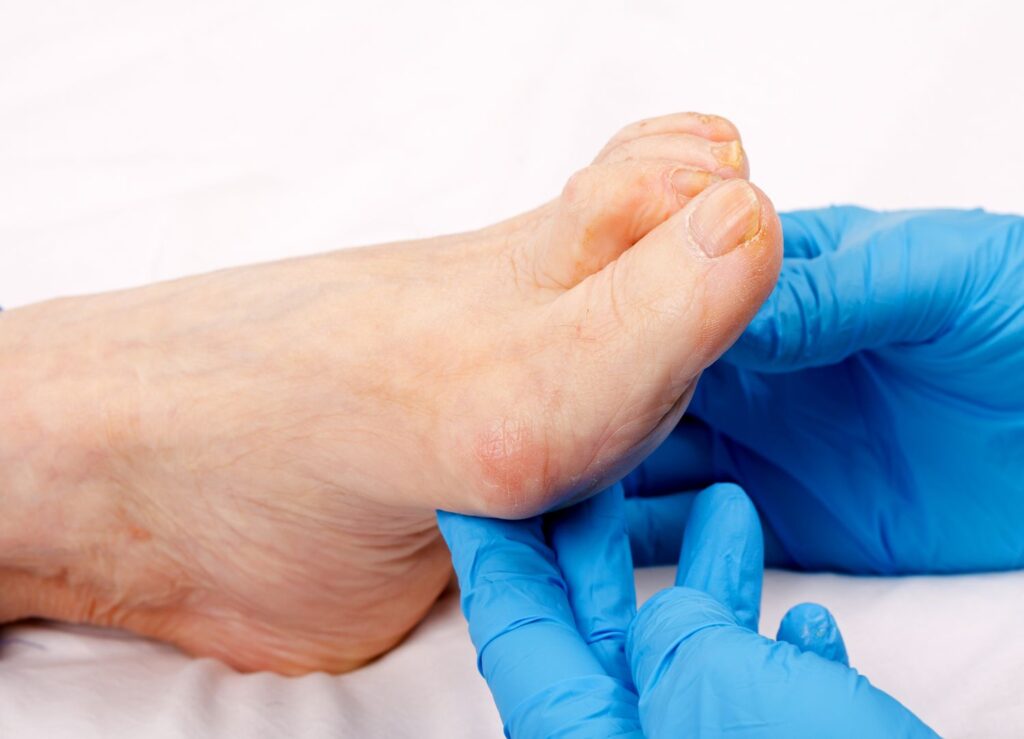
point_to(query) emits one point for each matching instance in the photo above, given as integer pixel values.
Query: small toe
(723, 158)
(606, 208)
(711, 127)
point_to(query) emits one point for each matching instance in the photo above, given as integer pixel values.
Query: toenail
(729, 154)
(691, 182)
(729, 215)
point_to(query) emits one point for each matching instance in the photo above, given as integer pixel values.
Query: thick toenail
(729, 154)
(729, 215)
(691, 182)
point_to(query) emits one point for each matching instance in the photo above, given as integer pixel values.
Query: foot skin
(246, 463)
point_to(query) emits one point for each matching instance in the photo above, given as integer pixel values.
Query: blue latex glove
(874, 408)
(549, 600)
(702, 670)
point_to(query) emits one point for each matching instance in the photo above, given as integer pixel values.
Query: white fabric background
(141, 141)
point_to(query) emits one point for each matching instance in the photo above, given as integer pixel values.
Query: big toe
(671, 305)
(692, 284)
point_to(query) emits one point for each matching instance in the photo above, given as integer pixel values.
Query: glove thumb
(812, 628)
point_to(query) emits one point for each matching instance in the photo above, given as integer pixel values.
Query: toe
(701, 275)
(711, 127)
(646, 173)
(669, 306)
(606, 208)
(724, 158)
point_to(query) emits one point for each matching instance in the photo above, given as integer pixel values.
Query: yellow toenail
(725, 217)
(729, 154)
(690, 182)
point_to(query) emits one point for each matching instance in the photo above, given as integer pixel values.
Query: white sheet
(141, 141)
(950, 648)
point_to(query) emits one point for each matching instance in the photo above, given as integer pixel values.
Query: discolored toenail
(689, 183)
(730, 154)
(729, 215)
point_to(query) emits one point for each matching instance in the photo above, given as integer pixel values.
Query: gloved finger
(723, 551)
(656, 527)
(699, 674)
(682, 462)
(810, 233)
(812, 628)
(585, 707)
(666, 622)
(519, 616)
(592, 550)
(877, 288)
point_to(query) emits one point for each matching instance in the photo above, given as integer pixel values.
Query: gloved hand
(874, 408)
(702, 670)
(549, 601)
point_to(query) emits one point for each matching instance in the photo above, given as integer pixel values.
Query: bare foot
(246, 463)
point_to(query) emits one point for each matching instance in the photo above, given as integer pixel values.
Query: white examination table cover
(142, 141)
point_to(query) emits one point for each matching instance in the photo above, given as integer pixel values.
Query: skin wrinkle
(663, 425)
(502, 452)
(614, 298)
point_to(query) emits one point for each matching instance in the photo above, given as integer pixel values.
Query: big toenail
(727, 216)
